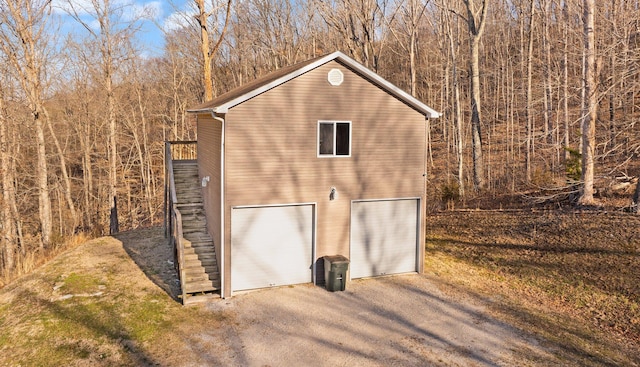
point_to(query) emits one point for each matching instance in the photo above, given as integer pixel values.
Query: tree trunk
(206, 51)
(636, 198)
(65, 177)
(476, 28)
(529, 111)
(565, 81)
(114, 225)
(457, 110)
(548, 81)
(590, 105)
(8, 229)
(44, 200)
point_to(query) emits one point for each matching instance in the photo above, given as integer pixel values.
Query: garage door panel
(271, 246)
(383, 237)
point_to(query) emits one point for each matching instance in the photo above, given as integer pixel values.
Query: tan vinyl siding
(271, 154)
(209, 144)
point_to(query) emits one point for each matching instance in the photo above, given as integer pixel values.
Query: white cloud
(81, 7)
(151, 10)
(177, 20)
(184, 17)
(130, 10)
(181, 17)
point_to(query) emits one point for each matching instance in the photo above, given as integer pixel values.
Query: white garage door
(384, 237)
(271, 246)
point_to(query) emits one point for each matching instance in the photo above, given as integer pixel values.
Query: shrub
(450, 193)
(573, 165)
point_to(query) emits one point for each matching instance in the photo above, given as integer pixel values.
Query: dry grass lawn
(569, 277)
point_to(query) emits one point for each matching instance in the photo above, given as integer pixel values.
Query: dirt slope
(93, 306)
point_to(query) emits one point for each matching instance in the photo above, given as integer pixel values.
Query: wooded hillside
(83, 117)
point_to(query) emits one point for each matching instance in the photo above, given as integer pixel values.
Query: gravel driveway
(393, 321)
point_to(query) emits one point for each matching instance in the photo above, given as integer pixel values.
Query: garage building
(320, 158)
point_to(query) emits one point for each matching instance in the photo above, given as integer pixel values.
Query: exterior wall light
(205, 180)
(333, 194)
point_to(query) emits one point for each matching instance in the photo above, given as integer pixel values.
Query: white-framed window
(334, 138)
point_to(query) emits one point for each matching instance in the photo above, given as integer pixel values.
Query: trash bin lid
(336, 259)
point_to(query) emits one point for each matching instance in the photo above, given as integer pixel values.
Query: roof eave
(214, 110)
(224, 108)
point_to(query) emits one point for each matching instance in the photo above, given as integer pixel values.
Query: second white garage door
(384, 237)
(271, 246)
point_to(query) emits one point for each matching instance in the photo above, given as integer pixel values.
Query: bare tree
(8, 240)
(208, 50)
(529, 111)
(476, 21)
(357, 22)
(565, 79)
(452, 59)
(410, 13)
(112, 42)
(589, 105)
(24, 41)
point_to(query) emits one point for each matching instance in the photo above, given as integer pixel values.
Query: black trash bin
(335, 272)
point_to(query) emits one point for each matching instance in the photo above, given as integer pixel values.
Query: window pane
(342, 139)
(326, 138)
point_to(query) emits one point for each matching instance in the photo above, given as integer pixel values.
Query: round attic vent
(335, 77)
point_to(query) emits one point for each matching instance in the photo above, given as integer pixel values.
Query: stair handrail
(173, 219)
(184, 150)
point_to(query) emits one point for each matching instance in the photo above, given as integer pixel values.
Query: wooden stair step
(210, 268)
(182, 206)
(200, 246)
(199, 256)
(190, 227)
(189, 231)
(190, 201)
(188, 191)
(191, 218)
(184, 172)
(202, 270)
(188, 195)
(203, 244)
(200, 286)
(181, 196)
(200, 252)
(195, 229)
(195, 278)
(190, 215)
(208, 263)
(198, 238)
(199, 270)
(192, 299)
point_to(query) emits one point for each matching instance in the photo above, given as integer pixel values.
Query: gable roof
(224, 102)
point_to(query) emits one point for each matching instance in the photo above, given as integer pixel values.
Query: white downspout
(222, 212)
(423, 200)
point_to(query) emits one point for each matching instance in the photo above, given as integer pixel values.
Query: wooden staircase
(200, 265)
